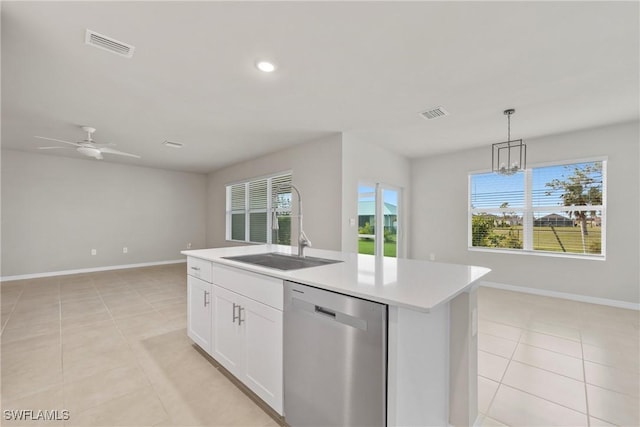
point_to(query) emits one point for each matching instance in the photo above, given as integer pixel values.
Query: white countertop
(414, 284)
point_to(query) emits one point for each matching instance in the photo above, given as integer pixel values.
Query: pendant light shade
(510, 156)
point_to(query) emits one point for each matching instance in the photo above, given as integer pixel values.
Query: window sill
(538, 253)
(244, 242)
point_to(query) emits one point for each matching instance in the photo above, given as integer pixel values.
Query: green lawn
(367, 247)
(545, 240)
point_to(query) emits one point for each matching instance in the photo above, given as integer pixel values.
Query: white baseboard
(88, 270)
(563, 295)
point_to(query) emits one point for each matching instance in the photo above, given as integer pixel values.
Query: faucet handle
(304, 240)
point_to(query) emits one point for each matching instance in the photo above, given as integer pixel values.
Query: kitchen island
(432, 324)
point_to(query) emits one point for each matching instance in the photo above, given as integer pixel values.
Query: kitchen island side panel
(463, 357)
(418, 367)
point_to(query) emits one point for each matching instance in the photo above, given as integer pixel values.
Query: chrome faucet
(303, 240)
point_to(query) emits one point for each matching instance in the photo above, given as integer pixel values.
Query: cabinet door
(199, 312)
(228, 345)
(263, 358)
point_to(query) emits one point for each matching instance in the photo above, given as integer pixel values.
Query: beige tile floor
(111, 349)
(551, 362)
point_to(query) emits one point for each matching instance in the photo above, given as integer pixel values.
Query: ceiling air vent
(107, 43)
(434, 113)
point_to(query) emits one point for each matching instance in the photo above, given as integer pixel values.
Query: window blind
(250, 205)
(556, 209)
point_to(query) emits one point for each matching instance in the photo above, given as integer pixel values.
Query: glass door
(367, 219)
(378, 219)
(389, 234)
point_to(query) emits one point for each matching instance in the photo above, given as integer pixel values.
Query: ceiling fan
(88, 146)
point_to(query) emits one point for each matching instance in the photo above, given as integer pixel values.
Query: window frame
(248, 210)
(528, 213)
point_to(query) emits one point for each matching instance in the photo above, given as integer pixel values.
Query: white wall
(316, 169)
(56, 209)
(439, 215)
(365, 162)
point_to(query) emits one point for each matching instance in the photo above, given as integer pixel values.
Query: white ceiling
(366, 68)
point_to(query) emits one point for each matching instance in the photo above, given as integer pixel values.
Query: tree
(481, 229)
(582, 188)
(504, 214)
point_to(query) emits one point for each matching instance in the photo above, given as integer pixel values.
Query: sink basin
(282, 261)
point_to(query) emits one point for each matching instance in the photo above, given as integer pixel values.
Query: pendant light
(510, 156)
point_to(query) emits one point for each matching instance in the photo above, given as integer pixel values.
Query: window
(378, 210)
(557, 209)
(259, 211)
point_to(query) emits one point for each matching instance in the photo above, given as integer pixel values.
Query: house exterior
(366, 213)
(553, 220)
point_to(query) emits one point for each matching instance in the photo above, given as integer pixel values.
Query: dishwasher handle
(329, 314)
(325, 311)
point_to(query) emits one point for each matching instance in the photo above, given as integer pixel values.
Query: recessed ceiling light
(265, 66)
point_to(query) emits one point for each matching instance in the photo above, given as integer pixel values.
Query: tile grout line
(503, 375)
(153, 386)
(500, 383)
(58, 284)
(146, 377)
(116, 326)
(586, 394)
(533, 330)
(544, 398)
(536, 346)
(61, 348)
(12, 310)
(529, 393)
(551, 372)
(583, 361)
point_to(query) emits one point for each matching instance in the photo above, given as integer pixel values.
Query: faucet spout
(303, 240)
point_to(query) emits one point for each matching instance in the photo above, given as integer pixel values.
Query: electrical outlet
(432, 256)
(352, 222)
(94, 252)
(188, 245)
(125, 250)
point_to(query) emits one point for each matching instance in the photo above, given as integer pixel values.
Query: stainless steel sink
(282, 261)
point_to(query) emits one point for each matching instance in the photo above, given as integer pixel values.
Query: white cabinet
(247, 341)
(227, 330)
(199, 312)
(200, 268)
(264, 346)
(236, 317)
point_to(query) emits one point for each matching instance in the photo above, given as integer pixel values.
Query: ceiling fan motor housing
(89, 151)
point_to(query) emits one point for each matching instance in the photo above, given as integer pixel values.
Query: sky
(490, 190)
(389, 196)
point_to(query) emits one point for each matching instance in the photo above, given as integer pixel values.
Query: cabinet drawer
(199, 268)
(264, 289)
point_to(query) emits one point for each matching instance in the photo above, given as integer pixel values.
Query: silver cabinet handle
(195, 268)
(206, 294)
(234, 313)
(240, 319)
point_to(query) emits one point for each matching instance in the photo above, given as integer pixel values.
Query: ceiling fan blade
(108, 150)
(51, 148)
(58, 140)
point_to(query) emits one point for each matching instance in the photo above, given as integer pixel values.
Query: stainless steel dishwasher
(335, 359)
